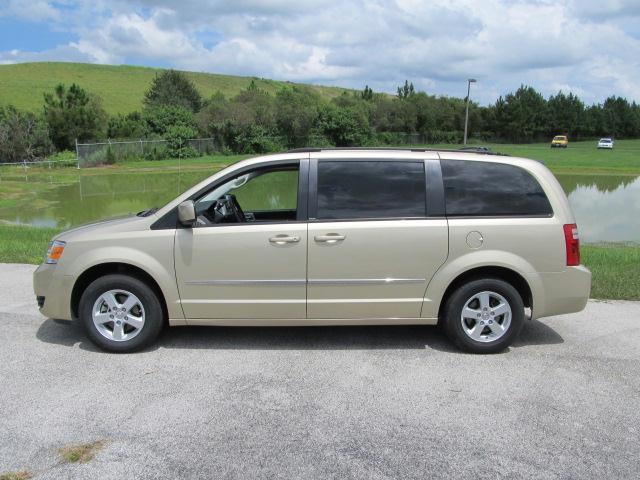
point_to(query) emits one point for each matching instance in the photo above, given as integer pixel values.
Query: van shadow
(410, 337)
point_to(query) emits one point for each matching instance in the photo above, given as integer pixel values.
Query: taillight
(572, 242)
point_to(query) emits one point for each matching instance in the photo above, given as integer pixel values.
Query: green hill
(121, 87)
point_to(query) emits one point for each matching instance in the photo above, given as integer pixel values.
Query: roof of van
(401, 149)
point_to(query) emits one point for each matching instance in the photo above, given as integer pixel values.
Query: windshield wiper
(146, 213)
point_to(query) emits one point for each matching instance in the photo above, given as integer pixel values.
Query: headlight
(54, 251)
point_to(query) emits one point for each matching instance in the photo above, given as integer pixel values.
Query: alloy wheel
(118, 315)
(486, 316)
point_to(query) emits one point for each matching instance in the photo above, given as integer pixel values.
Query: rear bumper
(53, 292)
(563, 292)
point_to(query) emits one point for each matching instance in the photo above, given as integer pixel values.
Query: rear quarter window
(486, 189)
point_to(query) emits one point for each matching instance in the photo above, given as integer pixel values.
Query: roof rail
(404, 149)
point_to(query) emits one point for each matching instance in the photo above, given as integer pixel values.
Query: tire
(484, 330)
(116, 330)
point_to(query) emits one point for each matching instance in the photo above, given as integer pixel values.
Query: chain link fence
(110, 152)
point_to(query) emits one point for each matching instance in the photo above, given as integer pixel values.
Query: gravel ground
(342, 402)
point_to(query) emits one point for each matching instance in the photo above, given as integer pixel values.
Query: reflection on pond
(95, 197)
(607, 207)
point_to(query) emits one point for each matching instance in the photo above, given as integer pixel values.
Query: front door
(372, 247)
(246, 257)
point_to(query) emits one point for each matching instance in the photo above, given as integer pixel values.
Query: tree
(246, 123)
(620, 118)
(520, 116)
(172, 88)
(296, 114)
(406, 91)
(367, 93)
(23, 136)
(73, 114)
(565, 114)
(344, 126)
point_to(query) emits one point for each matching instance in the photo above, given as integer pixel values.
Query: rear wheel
(484, 315)
(121, 313)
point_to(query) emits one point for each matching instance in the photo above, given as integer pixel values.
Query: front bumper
(563, 292)
(53, 290)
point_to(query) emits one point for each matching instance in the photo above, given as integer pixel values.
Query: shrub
(97, 158)
(23, 136)
(160, 119)
(256, 139)
(156, 153)
(128, 126)
(176, 138)
(63, 156)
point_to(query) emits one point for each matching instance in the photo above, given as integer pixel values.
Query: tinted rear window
(371, 189)
(491, 189)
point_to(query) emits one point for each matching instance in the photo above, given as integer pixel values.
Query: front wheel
(484, 315)
(121, 313)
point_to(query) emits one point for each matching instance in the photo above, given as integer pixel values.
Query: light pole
(466, 114)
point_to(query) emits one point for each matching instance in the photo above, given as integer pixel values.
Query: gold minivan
(474, 242)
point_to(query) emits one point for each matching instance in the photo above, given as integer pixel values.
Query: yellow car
(560, 141)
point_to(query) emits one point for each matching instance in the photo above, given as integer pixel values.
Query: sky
(589, 47)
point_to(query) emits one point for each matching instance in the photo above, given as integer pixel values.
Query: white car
(605, 143)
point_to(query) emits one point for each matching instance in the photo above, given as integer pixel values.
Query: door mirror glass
(187, 213)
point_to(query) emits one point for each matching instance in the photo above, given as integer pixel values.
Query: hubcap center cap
(486, 315)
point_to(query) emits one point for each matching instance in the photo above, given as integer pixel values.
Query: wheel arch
(503, 273)
(96, 271)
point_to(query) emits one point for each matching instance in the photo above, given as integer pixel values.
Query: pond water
(607, 207)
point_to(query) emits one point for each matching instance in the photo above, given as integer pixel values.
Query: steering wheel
(226, 209)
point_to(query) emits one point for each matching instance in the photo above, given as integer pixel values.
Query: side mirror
(187, 213)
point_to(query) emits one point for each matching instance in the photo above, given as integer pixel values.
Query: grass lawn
(616, 274)
(615, 269)
(578, 157)
(121, 87)
(20, 244)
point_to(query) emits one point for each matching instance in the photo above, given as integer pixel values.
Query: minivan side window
(260, 195)
(486, 189)
(370, 189)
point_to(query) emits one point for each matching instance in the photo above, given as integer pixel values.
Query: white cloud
(38, 10)
(585, 46)
(126, 35)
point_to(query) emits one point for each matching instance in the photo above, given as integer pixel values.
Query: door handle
(329, 238)
(282, 239)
